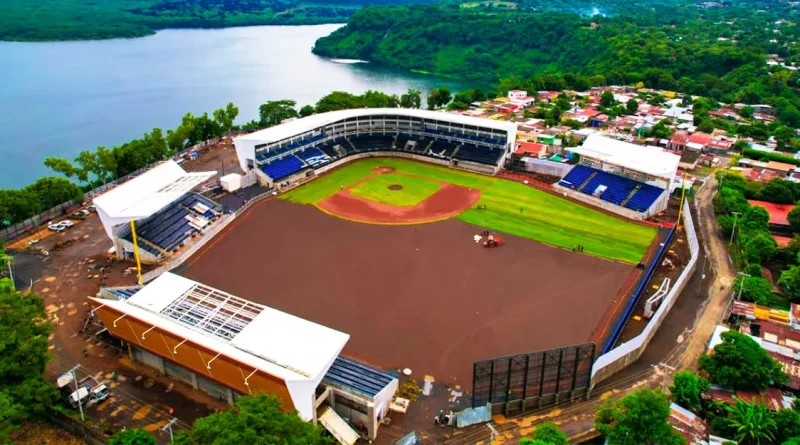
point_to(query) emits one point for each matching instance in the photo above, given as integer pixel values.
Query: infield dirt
(426, 297)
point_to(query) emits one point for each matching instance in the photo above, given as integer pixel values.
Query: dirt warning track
(423, 296)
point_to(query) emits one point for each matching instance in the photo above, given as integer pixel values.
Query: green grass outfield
(415, 190)
(510, 207)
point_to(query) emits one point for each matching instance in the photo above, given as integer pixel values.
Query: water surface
(60, 98)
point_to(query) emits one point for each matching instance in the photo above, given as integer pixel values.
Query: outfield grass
(414, 191)
(510, 207)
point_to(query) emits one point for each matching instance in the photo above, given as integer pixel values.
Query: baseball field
(398, 191)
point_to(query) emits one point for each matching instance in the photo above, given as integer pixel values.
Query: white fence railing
(625, 354)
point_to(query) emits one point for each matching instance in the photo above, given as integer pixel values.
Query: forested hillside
(104, 19)
(718, 51)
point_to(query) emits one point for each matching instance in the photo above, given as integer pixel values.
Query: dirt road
(718, 260)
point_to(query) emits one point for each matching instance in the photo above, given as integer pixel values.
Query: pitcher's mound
(395, 187)
(382, 170)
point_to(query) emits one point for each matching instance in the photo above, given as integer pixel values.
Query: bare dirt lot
(425, 297)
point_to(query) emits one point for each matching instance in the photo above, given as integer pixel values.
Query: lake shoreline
(108, 92)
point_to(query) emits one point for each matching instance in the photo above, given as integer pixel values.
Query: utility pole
(735, 217)
(168, 426)
(741, 285)
(77, 394)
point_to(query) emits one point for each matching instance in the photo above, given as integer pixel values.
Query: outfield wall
(627, 353)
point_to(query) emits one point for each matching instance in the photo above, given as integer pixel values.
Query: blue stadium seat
(479, 154)
(618, 188)
(283, 167)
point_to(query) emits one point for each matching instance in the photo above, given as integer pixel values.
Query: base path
(449, 201)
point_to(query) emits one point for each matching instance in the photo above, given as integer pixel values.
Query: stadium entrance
(530, 381)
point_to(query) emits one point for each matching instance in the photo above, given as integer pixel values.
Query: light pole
(735, 217)
(168, 426)
(77, 390)
(741, 285)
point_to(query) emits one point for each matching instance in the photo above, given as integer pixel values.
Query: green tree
(411, 99)
(754, 219)
(754, 288)
(224, 117)
(760, 247)
(740, 363)
(136, 436)
(794, 218)
(729, 200)
(607, 99)
(787, 424)
(61, 165)
(529, 441)
(256, 420)
(779, 191)
(750, 423)
(686, 389)
(548, 433)
(640, 417)
(24, 393)
(54, 191)
(306, 110)
(274, 112)
(790, 280)
(632, 106)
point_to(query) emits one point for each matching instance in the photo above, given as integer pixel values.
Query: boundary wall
(622, 356)
(597, 202)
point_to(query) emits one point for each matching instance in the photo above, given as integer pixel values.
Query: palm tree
(752, 423)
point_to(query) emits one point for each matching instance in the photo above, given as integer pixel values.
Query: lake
(60, 98)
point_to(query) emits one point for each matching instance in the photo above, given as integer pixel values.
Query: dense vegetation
(716, 52)
(88, 19)
(24, 392)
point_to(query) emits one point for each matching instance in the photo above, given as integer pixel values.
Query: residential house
(678, 141)
(780, 168)
(532, 149)
(547, 96)
(698, 141)
(520, 97)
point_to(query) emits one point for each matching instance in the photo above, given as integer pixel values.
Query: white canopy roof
(650, 160)
(299, 126)
(146, 194)
(295, 350)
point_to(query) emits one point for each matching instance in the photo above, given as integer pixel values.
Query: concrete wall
(625, 354)
(597, 202)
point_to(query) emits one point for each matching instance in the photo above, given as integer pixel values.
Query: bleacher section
(282, 168)
(325, 152)
(166, 230)
(483, 155)
(619, 190)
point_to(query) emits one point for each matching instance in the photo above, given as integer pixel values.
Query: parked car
(91, 209)
(80, 215)
(56, 227)
(67, 223)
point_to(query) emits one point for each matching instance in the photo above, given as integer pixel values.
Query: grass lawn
(510, 207)
(414, 191)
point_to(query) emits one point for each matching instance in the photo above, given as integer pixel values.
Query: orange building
(228, 346)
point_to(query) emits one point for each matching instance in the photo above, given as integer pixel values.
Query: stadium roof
(146, 194)
(270, 340)
(358, 377)
(650, 160)
(299, 126)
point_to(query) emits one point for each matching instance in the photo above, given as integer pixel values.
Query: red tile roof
(777, 212)
(700, 138)
(530, 147)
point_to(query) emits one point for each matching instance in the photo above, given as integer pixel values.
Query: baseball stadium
(383, 240)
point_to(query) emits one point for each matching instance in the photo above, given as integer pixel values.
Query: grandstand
(167, 215)
(228, 346)
(293, 150)
(623, 178)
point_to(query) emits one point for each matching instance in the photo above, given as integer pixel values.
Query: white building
(295, 150)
